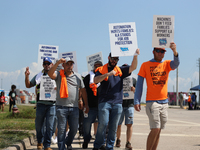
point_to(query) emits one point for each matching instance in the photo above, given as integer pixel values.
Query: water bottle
(85, 114)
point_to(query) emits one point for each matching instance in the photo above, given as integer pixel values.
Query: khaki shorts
(157, 114)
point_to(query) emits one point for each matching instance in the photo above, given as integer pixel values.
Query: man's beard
(111, 66)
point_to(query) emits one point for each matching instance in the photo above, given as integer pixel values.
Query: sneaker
(69, 147)
(48, 148)
(95, 149)
(54, 141)
(39, 146)
(66, 134)
(93, 136)
(85, 145)
(128, 145)
(118, 143)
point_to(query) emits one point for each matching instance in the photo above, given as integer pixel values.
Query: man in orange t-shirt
(156, 73)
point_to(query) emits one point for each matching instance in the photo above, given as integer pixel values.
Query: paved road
(182, 132)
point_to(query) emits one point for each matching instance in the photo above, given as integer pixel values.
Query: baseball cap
(98, 62)
(47, 59)
(68, 59)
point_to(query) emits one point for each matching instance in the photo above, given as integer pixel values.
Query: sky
(82, 26)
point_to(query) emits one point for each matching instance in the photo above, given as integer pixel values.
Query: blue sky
(82, 26)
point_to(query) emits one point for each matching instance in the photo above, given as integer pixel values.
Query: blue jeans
(107, 112)
(127, 113)
(87, 123)
(49, 112)
(64, 114)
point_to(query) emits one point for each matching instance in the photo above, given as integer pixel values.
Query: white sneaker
(54, 141)
(66, 134)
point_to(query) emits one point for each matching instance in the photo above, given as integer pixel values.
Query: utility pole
(199, 79)
(177, 87)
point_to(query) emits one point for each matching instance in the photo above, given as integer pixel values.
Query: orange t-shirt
(189, 98)
(156, 75)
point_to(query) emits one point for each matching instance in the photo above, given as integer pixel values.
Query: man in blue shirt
(110, 98)
(45, 109)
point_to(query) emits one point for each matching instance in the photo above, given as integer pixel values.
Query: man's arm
(138, 93)
(100, 78)
(174, 63)
(27, 81)
(134, 62)
(84, 95)
(52, 70)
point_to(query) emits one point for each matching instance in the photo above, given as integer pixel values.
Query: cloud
(17, 77)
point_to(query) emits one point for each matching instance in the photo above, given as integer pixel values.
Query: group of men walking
(100, 96)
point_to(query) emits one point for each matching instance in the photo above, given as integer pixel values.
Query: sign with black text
(47, 89)
(163, 31)
(46, 51)
(123, 39)
(127, 84)
(92, 59)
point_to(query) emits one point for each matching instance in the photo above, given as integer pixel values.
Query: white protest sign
(163, 31)
(91, 59)
(72, 55)
(47, 89)
(127, 84)
(46, 51)
(123, 39)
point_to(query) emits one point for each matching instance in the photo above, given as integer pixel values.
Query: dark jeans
(11, 103)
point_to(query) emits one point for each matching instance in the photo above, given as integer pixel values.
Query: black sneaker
(103, 147)
(118, 143)
(128, 145)
(69, 147)
(95, 149)
(85, 145)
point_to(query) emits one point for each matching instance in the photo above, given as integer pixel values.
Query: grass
(14, 128)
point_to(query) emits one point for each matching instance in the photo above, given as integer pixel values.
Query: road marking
(164, 134)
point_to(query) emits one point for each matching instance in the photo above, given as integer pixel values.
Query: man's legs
(153, 139)
(39, 123)
(118, 141)
(115, 113)
(73, 124)
(50, 119)
(103, 114)
(87, 123)
(62, 114)
(129, 132)
(129, 113)
(158, 116)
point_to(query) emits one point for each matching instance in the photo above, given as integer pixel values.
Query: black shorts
(1, 103)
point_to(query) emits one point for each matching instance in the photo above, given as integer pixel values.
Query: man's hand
(86, 109)
(80, 104)
(173, 47)
(137, 51)
(137, 107)
(133, 89)
(111, 73)
(27, 72)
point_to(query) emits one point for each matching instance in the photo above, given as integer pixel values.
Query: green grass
(14, 127)
(8, 138)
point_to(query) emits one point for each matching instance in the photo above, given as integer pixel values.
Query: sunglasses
(48, 63)
(159, 51)
(113, 58)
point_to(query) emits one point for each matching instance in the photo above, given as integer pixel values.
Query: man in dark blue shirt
(110, 98)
